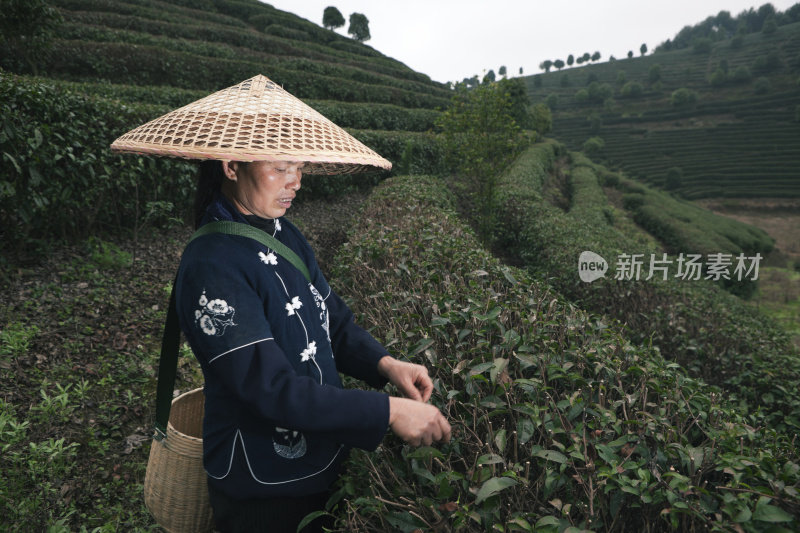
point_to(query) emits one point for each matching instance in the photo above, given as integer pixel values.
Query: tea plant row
(560, 419)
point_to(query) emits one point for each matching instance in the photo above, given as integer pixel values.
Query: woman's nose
(294, 180)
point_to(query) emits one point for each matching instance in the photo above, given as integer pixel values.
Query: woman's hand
(417, 423)
(411, 380)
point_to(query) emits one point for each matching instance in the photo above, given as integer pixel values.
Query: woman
(271, 345)
(271, 342)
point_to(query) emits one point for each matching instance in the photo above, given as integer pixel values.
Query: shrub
(599, 92)
(674, 179)
(767, 63)
(480, 137)
(654, 74)
(632, 201)
(718, 78)
(683, 97)
(594, 145)
(27, 30)
(595, 121)
(60, 179)
(741, 74)
(547, 400)
(366, 116)
(713, 334)
(702, 45)
(279, 30)
(632, 89)
(541, 119)
(770, 26)
(610, 179)
(762, 86)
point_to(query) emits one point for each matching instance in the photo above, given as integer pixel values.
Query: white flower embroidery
(218, 307)
(294, 304)
(277, 225)
(268, 259)
(207, 325)
(214, 316)
(309, 352)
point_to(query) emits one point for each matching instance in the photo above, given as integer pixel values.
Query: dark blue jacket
(271, 346)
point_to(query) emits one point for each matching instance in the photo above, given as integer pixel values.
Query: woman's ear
(229, 169)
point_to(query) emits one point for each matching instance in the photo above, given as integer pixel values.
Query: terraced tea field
(735, 139)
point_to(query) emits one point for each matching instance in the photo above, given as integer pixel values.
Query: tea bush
(376, 116)
(711, 333)
(149, 65)
(560, 421)
(361, 115)
(59, 178)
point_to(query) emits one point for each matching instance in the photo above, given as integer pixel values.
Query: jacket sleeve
(357, 352)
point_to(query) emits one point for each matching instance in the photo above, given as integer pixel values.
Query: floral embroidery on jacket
(309, 352)
(268, 259)
(214, 316)
(292, 306)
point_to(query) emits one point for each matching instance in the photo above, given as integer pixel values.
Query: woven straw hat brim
(256, 120)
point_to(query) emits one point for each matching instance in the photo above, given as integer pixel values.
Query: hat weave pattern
(256, 120)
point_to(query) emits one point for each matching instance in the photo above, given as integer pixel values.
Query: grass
(79, 347)
(778, 297)
(778, 294)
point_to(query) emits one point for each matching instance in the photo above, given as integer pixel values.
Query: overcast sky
(450, 40)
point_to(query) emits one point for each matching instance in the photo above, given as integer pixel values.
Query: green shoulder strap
(170, 344)
(245, 230)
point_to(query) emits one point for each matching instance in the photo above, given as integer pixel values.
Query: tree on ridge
(332, 18)
(359, 27)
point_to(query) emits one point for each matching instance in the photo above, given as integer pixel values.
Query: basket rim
(171, 430)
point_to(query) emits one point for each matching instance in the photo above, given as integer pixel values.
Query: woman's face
(262, 188)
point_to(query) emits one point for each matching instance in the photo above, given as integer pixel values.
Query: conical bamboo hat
(255, 120)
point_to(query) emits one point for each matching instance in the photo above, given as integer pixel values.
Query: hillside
(733, 134)
(218, 43)
(118, 63)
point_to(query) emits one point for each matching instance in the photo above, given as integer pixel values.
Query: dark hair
(209, 181)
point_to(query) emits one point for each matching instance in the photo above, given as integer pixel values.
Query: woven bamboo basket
(175, 484)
